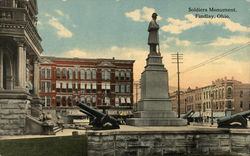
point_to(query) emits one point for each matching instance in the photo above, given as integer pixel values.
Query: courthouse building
(222, 98)
(95, 82)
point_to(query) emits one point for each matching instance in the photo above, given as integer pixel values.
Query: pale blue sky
(106, 28)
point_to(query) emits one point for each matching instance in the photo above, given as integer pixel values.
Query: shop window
(58, 100)
(64, 101)
(88, 100)
(94, 101)
(70, 101)
(82, 100)
(241, 104)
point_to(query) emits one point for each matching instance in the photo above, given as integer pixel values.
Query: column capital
(19, 41)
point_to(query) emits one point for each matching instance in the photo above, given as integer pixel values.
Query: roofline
(86, 59)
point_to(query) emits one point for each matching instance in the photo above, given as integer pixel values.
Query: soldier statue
(153, 37)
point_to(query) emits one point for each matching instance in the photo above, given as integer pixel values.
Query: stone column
(1, 69)
(21, 65)
(36, 77)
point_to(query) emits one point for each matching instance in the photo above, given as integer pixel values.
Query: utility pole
(178, 57)
(212, 108)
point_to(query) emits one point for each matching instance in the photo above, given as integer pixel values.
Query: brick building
(95, 82)
(223, 97)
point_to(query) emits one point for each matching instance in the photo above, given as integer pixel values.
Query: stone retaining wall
(12, 116)
(169, 143)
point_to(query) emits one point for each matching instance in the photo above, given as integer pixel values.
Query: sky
(118, 28)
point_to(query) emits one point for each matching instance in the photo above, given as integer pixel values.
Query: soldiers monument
(154, 107)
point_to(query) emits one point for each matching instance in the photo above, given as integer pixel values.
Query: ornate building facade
(20, 51)
(222, 98)
(95, 82)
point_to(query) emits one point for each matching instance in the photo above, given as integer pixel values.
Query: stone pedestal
(154, 108)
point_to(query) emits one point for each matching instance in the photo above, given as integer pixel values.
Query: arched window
(58, 73)
(82, 74)
(88, 74)
(94, 74)
(117, 75)
(64, 74)
(76, 74)
(43, 73)
(128, 75)
(229, 92)
(122, 75)
(70, 74)
(106, 75)
(48, 75)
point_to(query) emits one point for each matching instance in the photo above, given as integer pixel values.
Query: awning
(218, 114)
(122, 100)
(76, 85)
(58, 85)
(196, 115)
(88, 86)
(116, 100)
(93, 85)
(128, 100)
(64, 85)
(82, 85)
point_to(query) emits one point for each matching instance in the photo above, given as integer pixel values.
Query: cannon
(187, 116)
(188, 113)
(99, 121)
(238, 120)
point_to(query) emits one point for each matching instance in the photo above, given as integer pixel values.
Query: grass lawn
(49, 146)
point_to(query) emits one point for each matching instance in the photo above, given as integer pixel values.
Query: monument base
(155, 112)
(155, 108)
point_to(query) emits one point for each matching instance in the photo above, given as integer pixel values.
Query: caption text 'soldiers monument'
(154, 108)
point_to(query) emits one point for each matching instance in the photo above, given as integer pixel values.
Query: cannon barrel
(187, 114)
(91, 111)
(243, 114)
